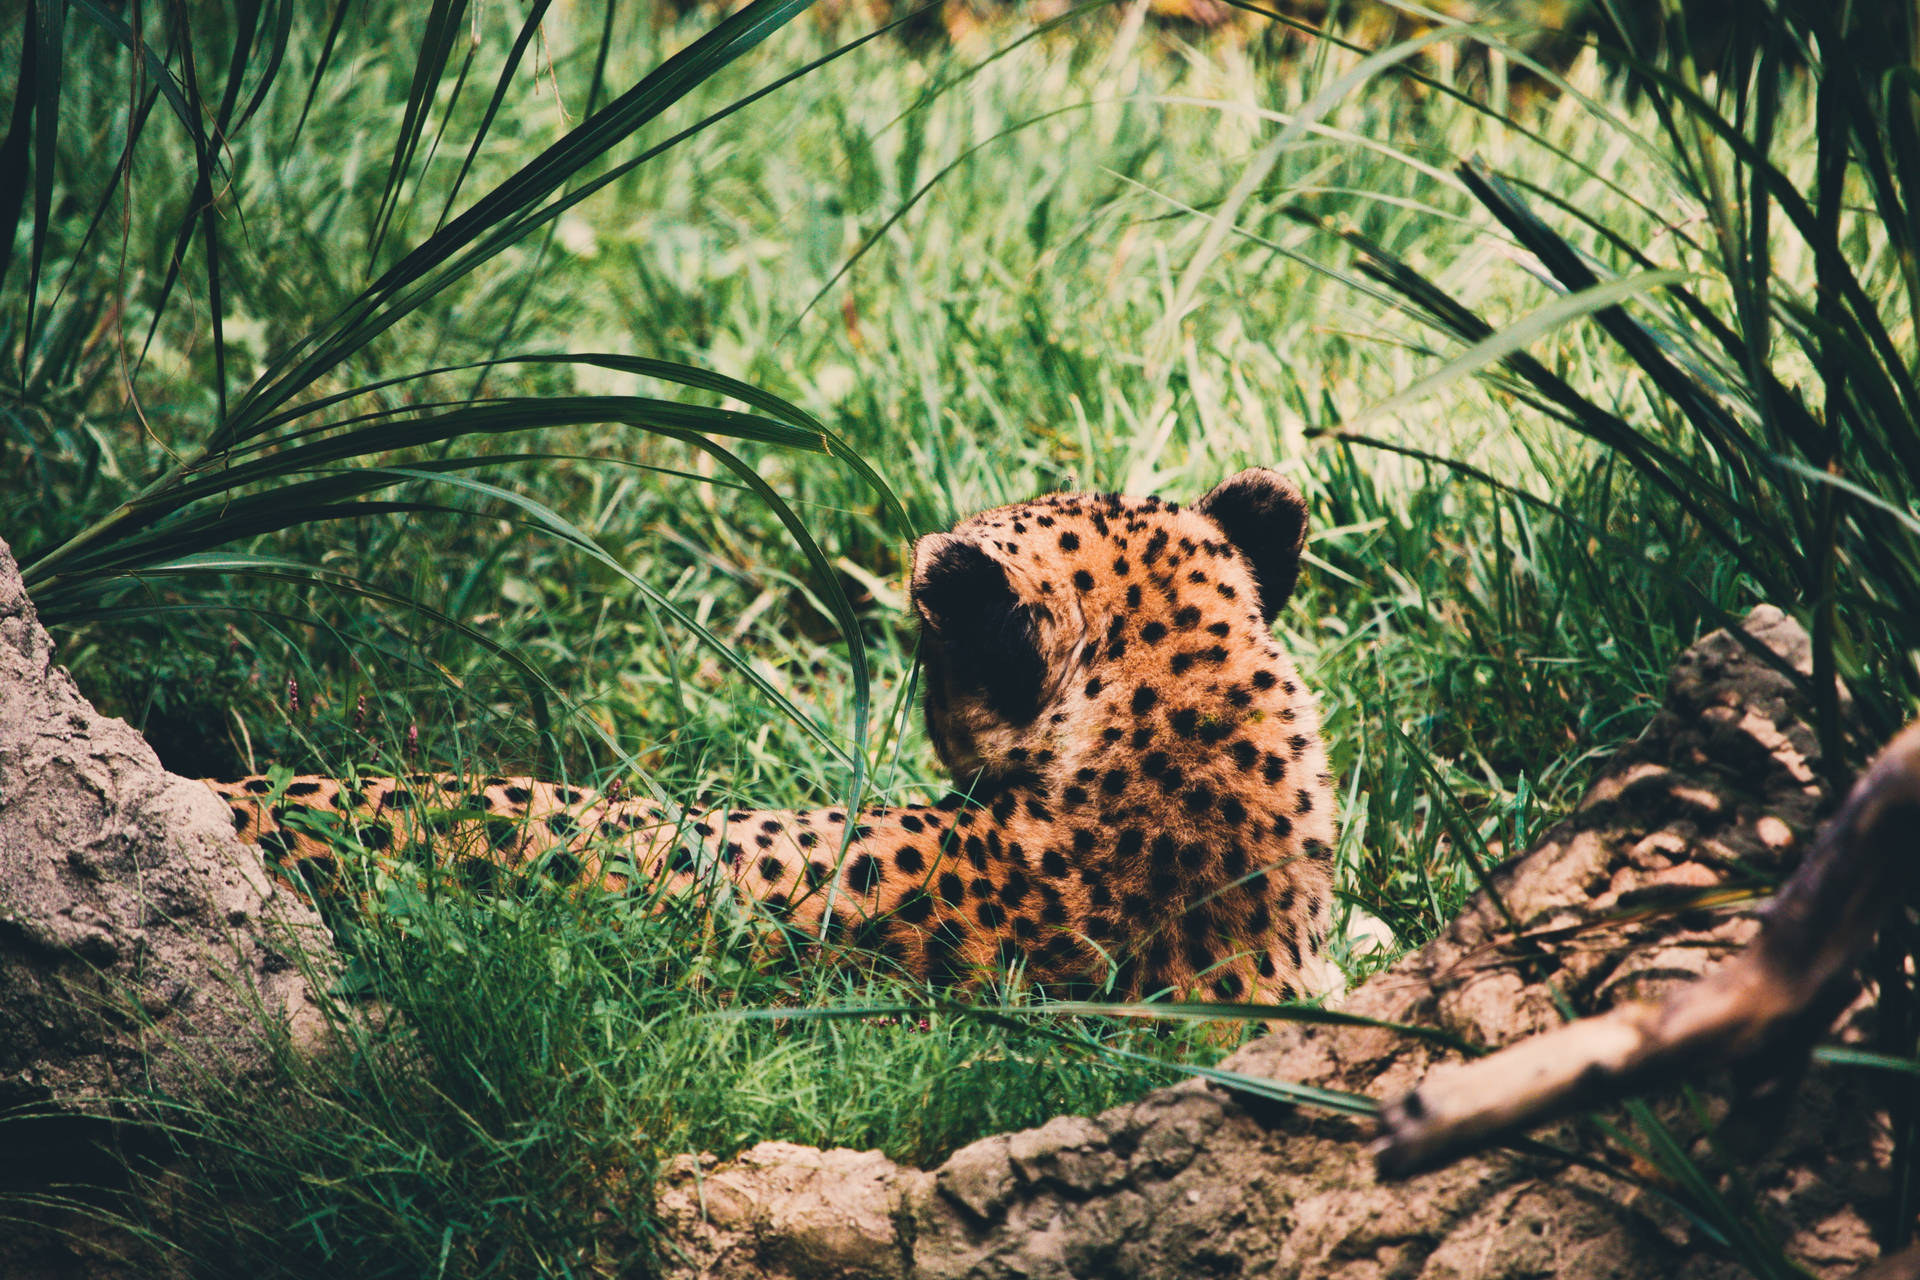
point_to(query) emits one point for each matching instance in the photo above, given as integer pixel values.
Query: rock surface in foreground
(1191, 1182)
(139, 941)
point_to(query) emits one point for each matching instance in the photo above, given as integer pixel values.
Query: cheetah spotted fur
(1144, 805)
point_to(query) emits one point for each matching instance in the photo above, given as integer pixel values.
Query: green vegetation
(294, 398)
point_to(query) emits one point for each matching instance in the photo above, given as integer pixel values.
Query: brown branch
(1762, 1008)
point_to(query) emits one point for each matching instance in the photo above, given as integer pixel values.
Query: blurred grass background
(991, 254)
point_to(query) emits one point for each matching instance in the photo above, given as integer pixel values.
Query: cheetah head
(1019, 606)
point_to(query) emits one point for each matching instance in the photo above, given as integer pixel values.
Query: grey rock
(140, 943)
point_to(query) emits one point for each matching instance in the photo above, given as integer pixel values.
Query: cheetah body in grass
(1143, 804)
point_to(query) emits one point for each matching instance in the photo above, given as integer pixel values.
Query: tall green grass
(967, 280)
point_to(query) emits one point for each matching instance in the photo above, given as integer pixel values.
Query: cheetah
(1142, 802)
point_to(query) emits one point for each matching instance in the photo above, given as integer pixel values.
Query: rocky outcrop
(140, 943)
(1195, 1181)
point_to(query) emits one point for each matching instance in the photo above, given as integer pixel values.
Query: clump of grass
(532, 1061)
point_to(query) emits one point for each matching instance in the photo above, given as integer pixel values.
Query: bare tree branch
(1762, 1008)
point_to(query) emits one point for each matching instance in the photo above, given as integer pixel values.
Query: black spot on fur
(864, 873)
(478, 874)
(1234, 861)
(321, 873)
(909, 860)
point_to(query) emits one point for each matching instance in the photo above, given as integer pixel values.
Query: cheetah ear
(989, 641)
(950, 576)
(1264, 517)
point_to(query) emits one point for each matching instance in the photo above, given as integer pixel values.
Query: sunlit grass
(988, 282)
